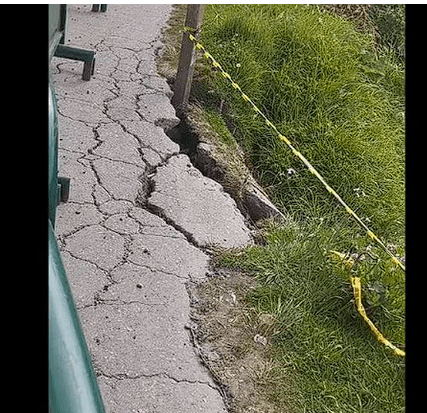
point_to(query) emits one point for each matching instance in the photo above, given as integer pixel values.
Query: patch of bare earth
(235, 343)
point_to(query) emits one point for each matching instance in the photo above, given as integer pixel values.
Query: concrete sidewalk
(140, 218)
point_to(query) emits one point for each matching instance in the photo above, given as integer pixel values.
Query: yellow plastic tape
(348, 261)
(245, 97)
(357, 290)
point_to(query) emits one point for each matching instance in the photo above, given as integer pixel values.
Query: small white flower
(238, 65)
(359, 192)
(358, 257)
(291, 172)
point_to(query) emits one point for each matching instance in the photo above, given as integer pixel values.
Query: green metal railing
(57, 26)
(73, 387)
(72, 382)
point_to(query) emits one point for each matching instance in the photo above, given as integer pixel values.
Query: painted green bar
(73, 387)
(72, 382)
(74, 53)
(52, 156)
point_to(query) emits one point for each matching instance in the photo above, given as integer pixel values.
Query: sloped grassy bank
(342, 104)
(319, 82)
(340, 99)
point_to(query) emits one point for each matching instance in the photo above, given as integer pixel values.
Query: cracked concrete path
(140, 219)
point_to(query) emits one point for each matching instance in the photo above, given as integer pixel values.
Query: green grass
(390, 22)
(313, 76)
(338, 364)
(341, 102)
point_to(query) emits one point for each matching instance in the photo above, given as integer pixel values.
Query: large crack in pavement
(140, 219)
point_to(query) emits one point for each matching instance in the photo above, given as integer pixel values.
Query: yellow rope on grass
(357, 291)
(355, 281)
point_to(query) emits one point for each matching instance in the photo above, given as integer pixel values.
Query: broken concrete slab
(172, 255)
(114, 206)
(252, 198)
(82, 136)
(159, 393)
(97, 245)
(133, 283)
(72, 216)
(156, 146)
(136, 339)
(157, 85)
(128, 267)
(90, 113)
(118, 145)
(87, 280)
(73, 87)
(153, 225)
(156, 108)
(82, 177)
(122, 108)
(197, 205)
(120, 179)
(122, 223)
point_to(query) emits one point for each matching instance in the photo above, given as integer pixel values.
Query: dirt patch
(358, 14)
(235, 343)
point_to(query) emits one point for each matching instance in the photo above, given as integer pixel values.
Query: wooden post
(184, 77)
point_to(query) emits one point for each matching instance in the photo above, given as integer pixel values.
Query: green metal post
(53, 156)
(74, 53)
(73, 387)
(57, 28)
(95, 7)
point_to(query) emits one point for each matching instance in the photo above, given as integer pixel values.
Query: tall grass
(319, 337)
(342, 105)
(318, 81)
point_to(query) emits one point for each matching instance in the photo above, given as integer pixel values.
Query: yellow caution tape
(357, 290)
(245, 97)
(348, 261)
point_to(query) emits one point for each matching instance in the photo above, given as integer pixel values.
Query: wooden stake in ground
(184, 77)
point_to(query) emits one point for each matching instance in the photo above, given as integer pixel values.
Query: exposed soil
(357, 13)
(235, 343)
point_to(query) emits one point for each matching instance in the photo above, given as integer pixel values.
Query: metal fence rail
(72, 382)
(73, 387)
